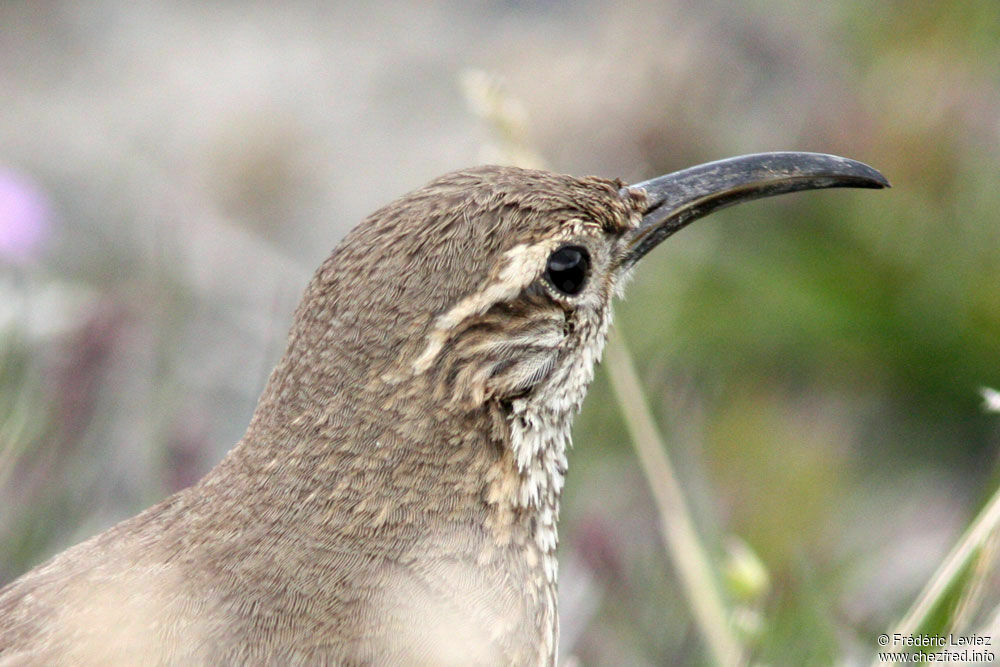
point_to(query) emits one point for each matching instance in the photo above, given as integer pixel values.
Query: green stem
(679, 535)
(953, 565)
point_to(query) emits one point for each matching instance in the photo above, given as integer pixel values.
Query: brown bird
(395, 497)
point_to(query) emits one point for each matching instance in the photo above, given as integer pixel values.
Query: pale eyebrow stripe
(523, 264)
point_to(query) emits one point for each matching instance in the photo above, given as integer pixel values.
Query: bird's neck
(539, 431)
(417, 483)
(539, 440)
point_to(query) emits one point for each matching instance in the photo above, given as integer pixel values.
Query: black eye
(567, 269)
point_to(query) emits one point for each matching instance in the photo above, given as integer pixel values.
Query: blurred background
(171, 174)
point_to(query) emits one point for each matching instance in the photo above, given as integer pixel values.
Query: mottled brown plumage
(394, 498)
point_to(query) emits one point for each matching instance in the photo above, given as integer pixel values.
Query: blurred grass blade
(954, 564)
(679, 535)
(975, 587)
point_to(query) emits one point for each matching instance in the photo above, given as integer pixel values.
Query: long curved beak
(675, 200)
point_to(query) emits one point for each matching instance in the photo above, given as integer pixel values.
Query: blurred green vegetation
(814, 360)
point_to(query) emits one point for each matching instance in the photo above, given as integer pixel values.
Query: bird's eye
(567, 269)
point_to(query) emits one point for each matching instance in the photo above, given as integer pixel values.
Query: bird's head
(496, 283)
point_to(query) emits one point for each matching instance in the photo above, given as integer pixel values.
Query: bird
(395, 497)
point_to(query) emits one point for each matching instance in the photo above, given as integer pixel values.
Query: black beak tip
(816, 170)
(869, 177)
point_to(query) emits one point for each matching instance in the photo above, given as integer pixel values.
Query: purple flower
(24, 216)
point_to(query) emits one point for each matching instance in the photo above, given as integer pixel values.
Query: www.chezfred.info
(936, 648)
